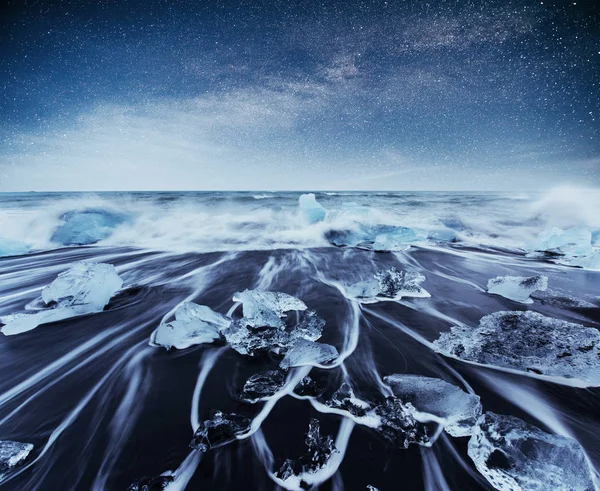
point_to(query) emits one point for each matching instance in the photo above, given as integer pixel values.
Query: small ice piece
(194, 324)
(389, 283)
(514, 455)
(262, 385)
(9, 247)
(265, 309)
(437, 400)
(318, 451)
(344, 399)
(530, 342)
(398, 425)
(251, 342)
(219, 431)
(12, 454)
(311, 208)
(83, 289)
(372, 488)
(517, 288)
(85, 227)
(155, 483)
(308, 387)
(309, 326)
(305, 352)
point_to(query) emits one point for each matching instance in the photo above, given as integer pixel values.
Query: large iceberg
(84, 227)
(517, 288)
(83, 289)
(9, 247)
(436, 400)
(312, 210)
(318, 452)
(12, 454)
(389, 284)
(304, 352)
(529, 342)
(193, 324)
(219, 431)
(514, 455)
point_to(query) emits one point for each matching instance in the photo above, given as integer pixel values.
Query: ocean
(389, 273)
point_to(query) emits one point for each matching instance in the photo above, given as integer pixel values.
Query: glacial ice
(193, 324)
(10, 247)
(308, 387)
(529, 342)
(12, 454)
(344, 399)
(262, 385)
(514, 455)
(437, 400)
(87, 227)
(318, 452)
(442, 235)
(154, 483)
(395, 240)
(265, 308)
(389, 284)
(575, 241)
(379, 238)
(83, 289)
(517, 288)
(312, 210)
(219, 431)
(305, 352)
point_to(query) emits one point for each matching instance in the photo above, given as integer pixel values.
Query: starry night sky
(403, 95)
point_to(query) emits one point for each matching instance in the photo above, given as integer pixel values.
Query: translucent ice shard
(345, 399)
(155, 483)
(193, 324)
(318, 451)
(563, 351)
(83, 289)
(312, 210)
(381, 238)
(10, 247)
(304, 352)
(517, 288)
(436, 400)
(398, 424)
(87, 226)
(576, 241)
(308, 387)
(250, 342)
(11, 455)
(309, 326)
(388, 284)
(514, 455)
(395, 240)
(266, 309)
(219, 431)
(262, 385)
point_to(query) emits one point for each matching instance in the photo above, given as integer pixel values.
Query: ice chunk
(576, 241)
(437, 400)
(517, 288)
(529, 342)
(10, 247)
(156, 483)
(398, 425)
(442, 235)
(262, 385)
(11, 455)
(389, 284)
(514, 455)
(318, 452)
(219, 431)
(591, 261)
(265, 308)
(309, 326)
(84, 283)
(305, 352)
(193, 324)
(344, 399)
(83, 289)
(311, 208)
(86, 227)
(396, 240)
(309, 388)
